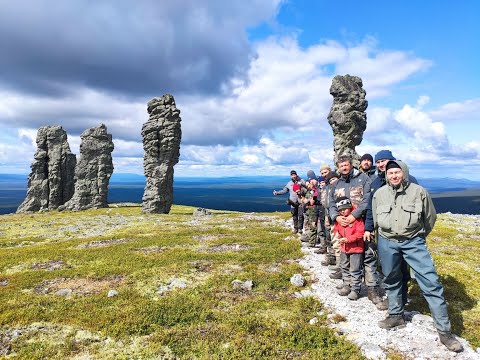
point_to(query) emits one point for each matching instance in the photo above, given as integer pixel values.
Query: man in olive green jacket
(403, 214)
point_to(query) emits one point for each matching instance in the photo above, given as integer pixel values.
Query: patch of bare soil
(225, 248)
(81, 287)
(150, 249)
(203, 238)
(48, 265)
(201, 265)
(103, 243)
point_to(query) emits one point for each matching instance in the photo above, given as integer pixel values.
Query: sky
(251, 79)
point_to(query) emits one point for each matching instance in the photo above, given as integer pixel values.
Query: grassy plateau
(118, 284)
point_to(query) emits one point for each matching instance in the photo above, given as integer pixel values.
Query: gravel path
(418, 340)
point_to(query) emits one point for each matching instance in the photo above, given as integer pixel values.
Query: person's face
(381, 164)
(332, 180)
(345, 212)
(298, 192)
(345, 167)
(366, 164)
(313, 182)
(294, 177)
(395, 176)
(324, 172)
(322, 183)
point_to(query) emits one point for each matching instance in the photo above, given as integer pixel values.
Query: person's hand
(367, 236)
(274, 192)
(350, 219)
(343, 240)
(342, 220)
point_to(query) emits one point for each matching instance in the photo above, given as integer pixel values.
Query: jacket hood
(406, 172)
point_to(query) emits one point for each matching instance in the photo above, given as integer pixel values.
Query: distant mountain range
(248, 194)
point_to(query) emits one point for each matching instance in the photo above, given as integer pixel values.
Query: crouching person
(404, 215)
(351, 242)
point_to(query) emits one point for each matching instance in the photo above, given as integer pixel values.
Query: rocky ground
(418, 340)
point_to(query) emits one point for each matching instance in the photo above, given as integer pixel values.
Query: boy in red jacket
(351, 247)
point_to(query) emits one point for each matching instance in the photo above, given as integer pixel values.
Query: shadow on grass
(456, 296)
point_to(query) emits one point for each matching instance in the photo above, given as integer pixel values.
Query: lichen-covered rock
(347, 116)
(161, 143)
(51, 180)
(93, 170)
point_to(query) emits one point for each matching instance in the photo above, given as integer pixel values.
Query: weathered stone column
(51, 181)
(93, 170)
(161, 142)
(347, 116)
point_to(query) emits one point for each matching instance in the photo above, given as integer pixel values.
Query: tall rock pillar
(93, 170)
(51, 180)
(347, 116)
(161, 142)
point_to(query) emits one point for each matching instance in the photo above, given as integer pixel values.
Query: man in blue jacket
(296, 210)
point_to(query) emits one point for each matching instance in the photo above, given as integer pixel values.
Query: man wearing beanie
(296, 211)
(366, 166)
(381, 160)
(404, 215)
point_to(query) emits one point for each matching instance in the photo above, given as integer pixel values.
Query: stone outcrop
(161, 142)
(347, 116)
(51, 180)
(93, 171)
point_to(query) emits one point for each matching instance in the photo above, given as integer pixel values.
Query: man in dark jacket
(296, 210)
(404, 215)
(355, 185)
(366, 166)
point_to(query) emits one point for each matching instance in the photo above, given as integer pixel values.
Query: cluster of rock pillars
(58, 181)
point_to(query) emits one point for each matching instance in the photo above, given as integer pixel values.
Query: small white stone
(313, 321)
(64, 292)
(112, 293)
(297, 280)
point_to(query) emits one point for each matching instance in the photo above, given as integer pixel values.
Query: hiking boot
(382, 305)
(294, 231)
(304, 238)
(321, 250)
(340, 285)
(344, 291)
(329, 260)
(374, 295)
(300, 231)
(336, 274)
(450, 342)
(392, 321)
(353, 295)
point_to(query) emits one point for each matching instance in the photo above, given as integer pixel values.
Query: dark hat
(296, 187)
(343, 203)
(366, 157)
(321, 178)
(311, 175)
(330, 176)
(384, 155)
(392, 165)
(293, 172)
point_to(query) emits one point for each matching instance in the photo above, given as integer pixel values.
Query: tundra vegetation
(115, 283)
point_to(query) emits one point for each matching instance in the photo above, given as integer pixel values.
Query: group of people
(369, 220)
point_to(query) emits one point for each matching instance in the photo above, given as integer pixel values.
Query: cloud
(126, 48)
(466, 110)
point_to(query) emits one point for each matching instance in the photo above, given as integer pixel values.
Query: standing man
(296, 211)
(381, 160)
(366, 166)
(355, 185)
(404, 215)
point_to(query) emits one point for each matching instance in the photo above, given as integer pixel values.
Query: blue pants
(417, 256)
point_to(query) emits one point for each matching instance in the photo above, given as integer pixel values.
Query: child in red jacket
(351, 247)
